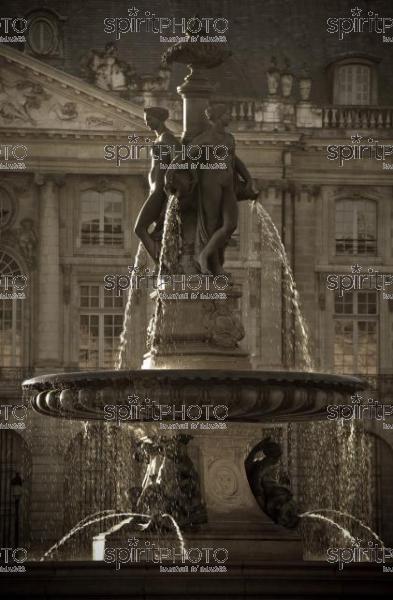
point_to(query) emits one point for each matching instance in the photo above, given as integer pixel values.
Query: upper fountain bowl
(186, 394)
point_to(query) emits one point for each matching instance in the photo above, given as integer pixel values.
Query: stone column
(49, 326)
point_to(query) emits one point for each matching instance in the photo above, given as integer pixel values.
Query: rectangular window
(100, 326)
(101, 218)
(352, 85)
(356, 227)
(356, 333)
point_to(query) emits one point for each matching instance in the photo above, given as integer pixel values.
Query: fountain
(195, 360)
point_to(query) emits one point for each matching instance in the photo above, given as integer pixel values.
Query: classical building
(66, 220)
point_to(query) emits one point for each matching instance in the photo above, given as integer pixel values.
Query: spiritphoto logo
(205, 29)
(12, 287)
(13, 416)
(370, 149)
(360, 21)
(145, 409)
(12, 157)
(372, 280)
(184, 560)
(360, 409)
(181, 156)
(374, 552)
(195, 283)
(12, 28)
(12, 559)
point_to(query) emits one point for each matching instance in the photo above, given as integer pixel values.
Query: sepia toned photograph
(196, 299)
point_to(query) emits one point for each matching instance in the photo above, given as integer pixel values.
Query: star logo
(356, 398)
(356, 268)
(358, 541)
(133, 11)
(356, 12)
(133, 138)
(133, 542)
(133, 399)
(356, 138)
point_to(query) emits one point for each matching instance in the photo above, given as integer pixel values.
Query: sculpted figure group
(210, 190)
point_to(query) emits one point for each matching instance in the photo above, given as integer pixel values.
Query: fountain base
(200, 328)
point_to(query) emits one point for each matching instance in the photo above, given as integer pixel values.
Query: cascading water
(168, 263)
(339, 452)
(134, 314)
(272, 238)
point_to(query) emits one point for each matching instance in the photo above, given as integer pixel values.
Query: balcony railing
(357, 117)
(242, 109)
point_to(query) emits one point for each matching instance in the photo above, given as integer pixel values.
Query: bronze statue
(219, 190)
(153, 210)
(271, 490)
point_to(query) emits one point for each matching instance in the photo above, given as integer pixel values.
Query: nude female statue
(220, 190)
(153, 210)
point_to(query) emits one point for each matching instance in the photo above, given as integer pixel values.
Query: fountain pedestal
(197, 325)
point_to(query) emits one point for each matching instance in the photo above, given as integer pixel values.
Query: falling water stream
(89, 520)
(270, 236)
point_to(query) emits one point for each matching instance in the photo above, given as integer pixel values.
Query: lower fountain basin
(237, 396)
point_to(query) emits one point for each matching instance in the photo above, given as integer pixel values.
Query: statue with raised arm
(153, 210)
(270, 489)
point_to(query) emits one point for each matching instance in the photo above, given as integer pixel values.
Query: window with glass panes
(10, 314)
(356, 227)
(101, 218)
(100, 326)
(352, 85)
(356, 332)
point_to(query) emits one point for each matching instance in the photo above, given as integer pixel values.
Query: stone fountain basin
(250, 396)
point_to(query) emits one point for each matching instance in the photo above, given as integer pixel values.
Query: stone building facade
(66, 220)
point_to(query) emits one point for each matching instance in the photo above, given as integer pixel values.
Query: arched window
(15, 482)
(354, 81)
(356, 227)
(352, 84)
(11, 305)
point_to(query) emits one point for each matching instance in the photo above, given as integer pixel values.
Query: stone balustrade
(357, 117)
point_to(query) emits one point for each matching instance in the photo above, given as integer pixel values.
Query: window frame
(353, 60)
(356, 255)
(356, 317)
(17, 316)
(101, 248)
(100, 311)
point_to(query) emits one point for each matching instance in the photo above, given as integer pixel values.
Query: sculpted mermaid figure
(153, 210)
(219, 190)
